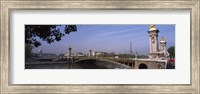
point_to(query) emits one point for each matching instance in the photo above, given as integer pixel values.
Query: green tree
(112, 54)
(171, 51)
(28, 51)
(48, 33)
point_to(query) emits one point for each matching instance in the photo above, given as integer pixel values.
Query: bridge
(102, 62)
(123, 62)
(127, 62)
(105, 63)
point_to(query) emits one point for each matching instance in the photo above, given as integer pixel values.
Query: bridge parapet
(124, 61)
(103, 60)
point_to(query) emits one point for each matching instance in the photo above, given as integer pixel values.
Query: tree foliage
(28, 51)
(171, 51)
(48, 33)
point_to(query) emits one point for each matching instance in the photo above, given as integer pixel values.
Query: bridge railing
(126, 61)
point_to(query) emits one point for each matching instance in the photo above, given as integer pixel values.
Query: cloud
(114, 32)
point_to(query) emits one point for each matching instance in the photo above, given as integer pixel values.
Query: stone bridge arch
(143, 66)
(149, 64)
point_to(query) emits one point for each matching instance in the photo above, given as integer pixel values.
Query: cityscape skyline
(109, 38)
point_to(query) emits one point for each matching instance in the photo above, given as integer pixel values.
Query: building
(44, 56)
(100, 54)
(80, 54)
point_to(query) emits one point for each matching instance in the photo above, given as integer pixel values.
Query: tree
(48, 33)
(112, 54)
(171, 51)
(28, 51)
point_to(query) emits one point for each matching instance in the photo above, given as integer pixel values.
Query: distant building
(116, 56)
(44, 56)
(80, 54)
(66, 55)
(60, 56)
(49, 55)
(100, 54)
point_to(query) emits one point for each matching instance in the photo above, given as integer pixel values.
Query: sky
(109, 38)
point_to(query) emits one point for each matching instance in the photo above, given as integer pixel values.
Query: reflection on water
(47, 66)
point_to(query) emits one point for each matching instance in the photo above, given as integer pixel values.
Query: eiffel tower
(131, 48)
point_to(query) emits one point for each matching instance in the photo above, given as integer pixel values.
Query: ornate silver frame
(8, 5)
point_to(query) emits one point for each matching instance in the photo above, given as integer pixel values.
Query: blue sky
(109, 38)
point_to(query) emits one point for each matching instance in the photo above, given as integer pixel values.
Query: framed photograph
(100, 46)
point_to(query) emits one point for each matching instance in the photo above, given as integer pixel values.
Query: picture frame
(8, 6)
